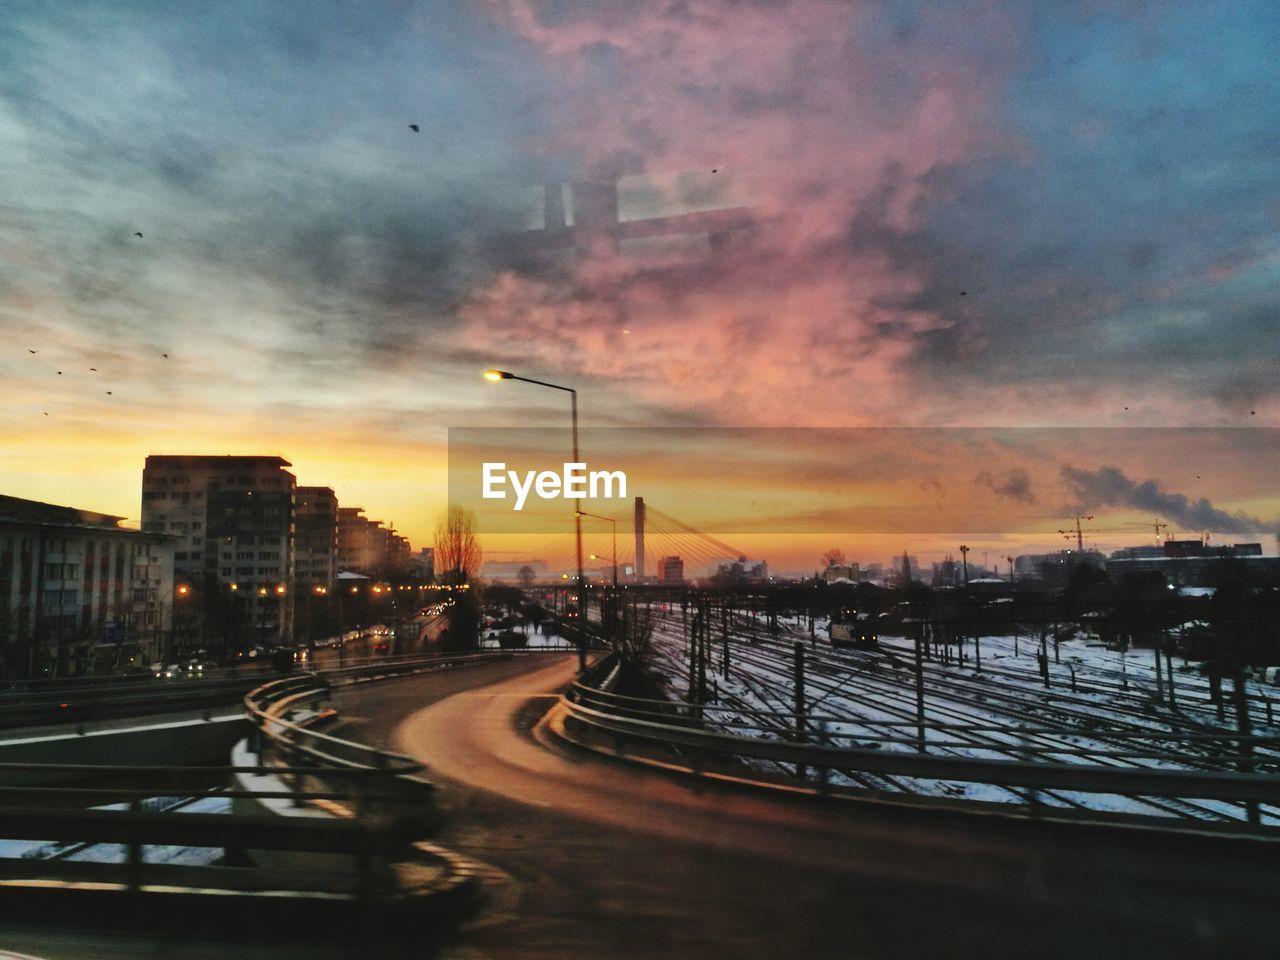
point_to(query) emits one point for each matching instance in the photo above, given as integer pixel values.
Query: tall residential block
(234, 517)
(316, 537)
(79, 593)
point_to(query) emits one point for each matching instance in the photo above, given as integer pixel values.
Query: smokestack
(639, 539)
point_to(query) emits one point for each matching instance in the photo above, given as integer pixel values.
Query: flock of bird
(109, 393)
(418, 129)
(138, 234)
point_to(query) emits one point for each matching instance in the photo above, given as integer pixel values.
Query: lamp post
(280, 592)
(613, 596)
(964, 559)
(180, 594)
(497, 375)
(610, 520)
(262, 616)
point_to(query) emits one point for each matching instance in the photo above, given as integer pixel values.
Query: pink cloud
(819, 128)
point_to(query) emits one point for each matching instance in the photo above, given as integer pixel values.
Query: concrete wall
(172, 743)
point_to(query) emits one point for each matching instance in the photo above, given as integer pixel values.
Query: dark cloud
(1014, 484)
(1109, 487)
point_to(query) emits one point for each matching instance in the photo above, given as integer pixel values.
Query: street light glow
(497, 375)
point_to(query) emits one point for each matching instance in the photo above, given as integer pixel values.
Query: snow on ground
(536, 641)
(118, 853)
(866, 699)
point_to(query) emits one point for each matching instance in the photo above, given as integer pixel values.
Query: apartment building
(234, 520)
(315, 538)
(79, 593)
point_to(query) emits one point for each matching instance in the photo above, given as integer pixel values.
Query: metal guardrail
(668, 724)
(55, 813)
(382, 806)
(94, 699)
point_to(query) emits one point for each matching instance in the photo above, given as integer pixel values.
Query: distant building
(905, 569)
(315, 537)
(368, 546)
(1184, 548)
(1204, 570)
(948, 573)
(234, 520)
(1055, 568)
(353, 538)
(514, 571)
(80, 593)
(423, 564)
(840, 572)
(743, 570)
(671, 570)
(1136, 553)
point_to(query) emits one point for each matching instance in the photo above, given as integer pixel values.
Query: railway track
(959, 701)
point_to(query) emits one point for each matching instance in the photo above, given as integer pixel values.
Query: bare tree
(834, 558)
(457, 553)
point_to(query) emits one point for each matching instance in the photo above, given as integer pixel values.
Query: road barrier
(594, 715)
(354, 806)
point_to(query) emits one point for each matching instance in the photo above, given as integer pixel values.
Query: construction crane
(1078, 532)
(1155, 525)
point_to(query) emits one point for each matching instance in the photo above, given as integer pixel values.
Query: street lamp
(496, 375)
(181, 592)
(596, 516)
(964, 559)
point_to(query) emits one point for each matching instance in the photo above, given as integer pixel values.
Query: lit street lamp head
(498, 375)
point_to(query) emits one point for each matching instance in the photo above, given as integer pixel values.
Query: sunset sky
(950, 215)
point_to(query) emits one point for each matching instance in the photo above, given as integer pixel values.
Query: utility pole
(919, 690)
(798, 649)
(1244, 746)
(724, 644)
(964, 561)
(703, 629)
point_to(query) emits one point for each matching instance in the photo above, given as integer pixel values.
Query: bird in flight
(165, 355)
(415, 128)
(138, 235)
(93, 369)
(29, 350)
(108, 393)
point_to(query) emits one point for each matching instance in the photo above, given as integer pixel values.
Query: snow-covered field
(1117, 714)
(536, 640)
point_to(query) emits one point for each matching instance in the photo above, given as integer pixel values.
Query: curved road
(596, 859)
(607, 860)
